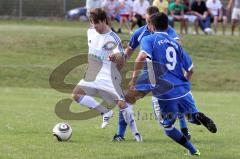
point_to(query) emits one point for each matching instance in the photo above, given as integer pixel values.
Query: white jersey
(100, 47)
(102, 75)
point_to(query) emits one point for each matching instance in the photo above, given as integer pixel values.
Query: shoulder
(114, 37)
(170, 29)
(91, 31)
(139, 31)
(148, 39)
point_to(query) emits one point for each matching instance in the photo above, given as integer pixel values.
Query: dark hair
(152, 10)
(159, 21)
(98, 15)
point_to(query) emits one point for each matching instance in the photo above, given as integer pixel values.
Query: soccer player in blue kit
(169, 60)
(143, 86)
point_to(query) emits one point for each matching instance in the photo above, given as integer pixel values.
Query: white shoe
(106, 118)
(138, 137)
(208, 31)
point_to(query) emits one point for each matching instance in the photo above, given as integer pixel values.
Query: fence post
(64, 6)
(20, 8)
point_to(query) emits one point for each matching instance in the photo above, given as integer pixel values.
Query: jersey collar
(161, 32)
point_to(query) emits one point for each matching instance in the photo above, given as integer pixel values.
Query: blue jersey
(143, 31)
(169, 61)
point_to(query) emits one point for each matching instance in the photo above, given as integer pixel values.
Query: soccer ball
(62, 131)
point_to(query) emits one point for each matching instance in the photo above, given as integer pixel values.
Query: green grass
(31, 50)
(28, 116)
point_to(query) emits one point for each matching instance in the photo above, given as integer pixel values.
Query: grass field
(31, 50)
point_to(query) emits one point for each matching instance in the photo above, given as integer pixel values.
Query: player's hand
(116, 58)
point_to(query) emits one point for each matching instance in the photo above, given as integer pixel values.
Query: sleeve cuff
(190, 67)
(145, 52)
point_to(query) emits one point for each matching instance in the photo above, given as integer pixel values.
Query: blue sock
(122, 125)
(178, 137)
(182, 121)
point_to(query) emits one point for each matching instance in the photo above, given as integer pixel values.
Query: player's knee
(76, 97)
(167, 125)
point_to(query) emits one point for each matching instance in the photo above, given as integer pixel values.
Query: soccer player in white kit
(103, 76)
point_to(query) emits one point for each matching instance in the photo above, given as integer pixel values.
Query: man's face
(151, 27)
(147, 19)
(99, 27)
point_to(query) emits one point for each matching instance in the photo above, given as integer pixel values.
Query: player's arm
(128, 53)
(132, 45)
(138, 66)
(189, 74)
(117, 55)
(187, 65)
(146, 51)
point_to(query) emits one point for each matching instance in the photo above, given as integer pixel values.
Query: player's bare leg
(82, 98)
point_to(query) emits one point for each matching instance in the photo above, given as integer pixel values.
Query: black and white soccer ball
(62, 131)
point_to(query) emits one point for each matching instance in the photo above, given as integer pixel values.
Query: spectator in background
(162, 5)
(91, 4)
(177, 14)
(125, 12)
(139, 11)
(215, 10)
(235, 13)
(223, 19)
(76, 14)
(111, 8)
(187, 12)
(203, 20)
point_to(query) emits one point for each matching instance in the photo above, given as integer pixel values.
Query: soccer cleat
(117, 138)
(207, 122)
(186, 133)
(138, 137)
(197, 153)
(106, 118)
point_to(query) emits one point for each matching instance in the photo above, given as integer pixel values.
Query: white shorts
(107, 90)
(236, 13)
(190, 18)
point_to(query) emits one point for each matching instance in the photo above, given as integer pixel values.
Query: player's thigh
(169, 111)
(85, 88)
(187, 105)
(111, 93)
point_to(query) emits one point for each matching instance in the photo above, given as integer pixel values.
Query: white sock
(128, 115)
(91, 103)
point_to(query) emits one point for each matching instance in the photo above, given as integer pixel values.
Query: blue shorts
(170, 109)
